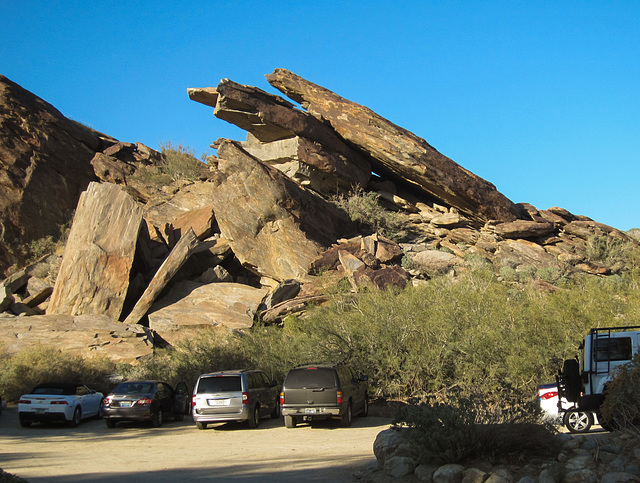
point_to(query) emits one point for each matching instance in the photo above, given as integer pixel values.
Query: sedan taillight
(106, 402)
(144, 402)
(549, 395)
(59, 402)
(24, 401)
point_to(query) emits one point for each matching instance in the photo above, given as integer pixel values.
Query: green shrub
(462, 429)
(40, 364)
(621, 406)
(178, 163)
(363, 207)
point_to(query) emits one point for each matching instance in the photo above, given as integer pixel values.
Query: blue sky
(540, 98)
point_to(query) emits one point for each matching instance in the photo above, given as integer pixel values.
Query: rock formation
(244, 238)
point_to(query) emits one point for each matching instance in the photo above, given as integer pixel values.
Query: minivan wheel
(347, 416)
(200, 425)
(289, 422)
(254, 421)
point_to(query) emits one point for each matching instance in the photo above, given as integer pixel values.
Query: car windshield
(215, 384)
(310, 378)
(134, 388)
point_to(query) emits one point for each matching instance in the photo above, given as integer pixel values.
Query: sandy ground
(178, 451)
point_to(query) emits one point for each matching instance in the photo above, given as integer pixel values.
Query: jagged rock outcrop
(274, 226)
(98, 262)
(45, 165)
(398, 152)
(287, 137)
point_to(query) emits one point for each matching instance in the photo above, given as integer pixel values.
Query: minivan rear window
(208, 385)
(310, 378)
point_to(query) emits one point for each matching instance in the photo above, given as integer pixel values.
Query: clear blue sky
(540, 98)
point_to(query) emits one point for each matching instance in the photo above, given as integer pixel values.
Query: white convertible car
(70, 403)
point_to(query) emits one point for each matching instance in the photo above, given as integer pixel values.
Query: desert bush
(460, 429)
(178, 163)
(621, 406)
(40, 364)
(363, 208)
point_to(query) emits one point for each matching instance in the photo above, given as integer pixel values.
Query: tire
(254, 420)
(276, 410)
(578, 421)
(77, 417)
(289, 422)
(110, 423)
(24, 423)
(157, 419)
(365, 406)
(200, 425)
(347, 417)
(571, 379)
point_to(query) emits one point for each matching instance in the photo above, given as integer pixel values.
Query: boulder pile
(244, 238)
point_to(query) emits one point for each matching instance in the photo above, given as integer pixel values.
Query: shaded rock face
(45, 160)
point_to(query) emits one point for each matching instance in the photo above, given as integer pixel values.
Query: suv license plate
(310, 411)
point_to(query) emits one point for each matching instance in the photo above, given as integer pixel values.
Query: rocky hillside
(243, 237)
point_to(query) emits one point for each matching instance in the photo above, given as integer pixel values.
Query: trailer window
(613, 349)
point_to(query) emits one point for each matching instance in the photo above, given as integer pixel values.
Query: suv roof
(233, 372)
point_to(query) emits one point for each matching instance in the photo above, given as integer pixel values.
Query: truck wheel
(289, 422)
(347, 417)
(578, 421)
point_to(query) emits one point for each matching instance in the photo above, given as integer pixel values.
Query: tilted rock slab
(88, 335)
(398, 151)
(285, 133)
(99, 255)
(193, 306)
(45, 165)
(275, 227)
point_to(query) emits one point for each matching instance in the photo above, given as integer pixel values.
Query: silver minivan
(239, 395)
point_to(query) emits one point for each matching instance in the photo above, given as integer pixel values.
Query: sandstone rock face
(273, 226)
(45, 160)
(191, 305)
(99, 256)
(398, 151)
(88, 335)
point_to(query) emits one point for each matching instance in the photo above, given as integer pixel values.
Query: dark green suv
(323, 391)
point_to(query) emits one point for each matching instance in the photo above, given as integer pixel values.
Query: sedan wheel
(77, 417)
(578, 421)
(157, 419)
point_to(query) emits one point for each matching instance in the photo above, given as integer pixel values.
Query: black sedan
(152, 401)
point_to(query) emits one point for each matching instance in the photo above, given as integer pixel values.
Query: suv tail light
(549, 395)
(245, 398)
(340, 398)
(282, 398)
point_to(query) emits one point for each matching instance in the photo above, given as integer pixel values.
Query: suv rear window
(208, 385)
(311, 378)
(613, 349)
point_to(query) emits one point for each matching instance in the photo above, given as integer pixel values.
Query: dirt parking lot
(179, 451)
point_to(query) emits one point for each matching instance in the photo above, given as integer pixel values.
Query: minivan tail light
(245, 398)
(340, 398)
(193, 401)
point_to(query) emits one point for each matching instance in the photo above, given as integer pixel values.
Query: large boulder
(99, 256)
(275, 227)
(45, 162)
(193, 306)
(398, 152)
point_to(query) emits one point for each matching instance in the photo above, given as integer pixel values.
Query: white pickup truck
(582, 381)
(70, 403)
